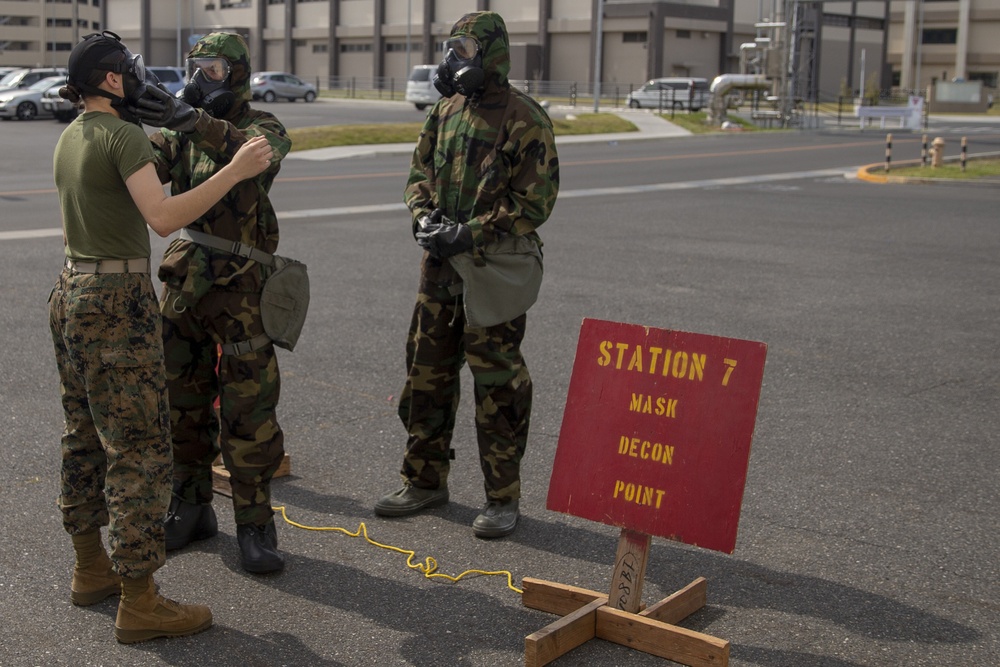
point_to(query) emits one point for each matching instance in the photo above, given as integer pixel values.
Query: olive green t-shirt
(96, 153)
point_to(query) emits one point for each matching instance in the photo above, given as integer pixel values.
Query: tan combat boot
(144, 614)
(93, 577)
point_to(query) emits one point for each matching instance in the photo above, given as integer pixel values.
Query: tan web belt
(137, 265)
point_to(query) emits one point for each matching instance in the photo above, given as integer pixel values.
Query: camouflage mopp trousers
(439, 344)
(248, 386)
(116, 458)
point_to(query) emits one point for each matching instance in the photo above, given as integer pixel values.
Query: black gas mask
(461, 71)
(118, 59)
(208, 85)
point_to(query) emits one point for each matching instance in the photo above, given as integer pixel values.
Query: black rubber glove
(157, 107)
(442, 237)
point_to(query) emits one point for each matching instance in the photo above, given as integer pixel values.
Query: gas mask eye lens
(465, 48)
(136, 67)
(212, 69)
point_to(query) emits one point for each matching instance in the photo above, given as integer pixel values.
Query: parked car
(269, 86)
(62, 109)
(671, 93)
(26, 103)
(420, 90)
(25, 76)
(172, 78)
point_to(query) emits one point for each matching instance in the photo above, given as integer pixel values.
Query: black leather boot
(186, 523)
(259, 548)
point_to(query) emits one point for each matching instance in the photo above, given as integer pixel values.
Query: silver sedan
(271, 86)
(26, 103)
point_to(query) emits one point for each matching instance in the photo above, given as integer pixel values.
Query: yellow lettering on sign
(636, 363)
(645, 450)
(661, 407)
(677, 364)
(638, 494)
(730, 367)
(605, 349)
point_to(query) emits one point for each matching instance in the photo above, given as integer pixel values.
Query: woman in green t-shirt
(105, 323)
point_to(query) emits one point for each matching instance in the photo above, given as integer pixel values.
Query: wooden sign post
(655, 439)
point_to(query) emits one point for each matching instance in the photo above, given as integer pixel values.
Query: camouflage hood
(489, 30)
(233, 48)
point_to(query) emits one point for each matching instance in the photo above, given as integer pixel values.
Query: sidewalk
(649, 124)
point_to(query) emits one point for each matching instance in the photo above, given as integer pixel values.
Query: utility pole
(598, 54)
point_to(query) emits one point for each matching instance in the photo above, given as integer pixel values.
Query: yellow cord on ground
(428, 567)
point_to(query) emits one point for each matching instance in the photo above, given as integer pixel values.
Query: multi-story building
(552, 40)
(944, 40)
(829, 45)
(37, 33)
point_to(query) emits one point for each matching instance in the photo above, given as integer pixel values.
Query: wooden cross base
(586, 614)
(220, 476)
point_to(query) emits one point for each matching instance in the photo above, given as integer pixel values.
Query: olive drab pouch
(284, 298)
(502, 282)
(284, 302)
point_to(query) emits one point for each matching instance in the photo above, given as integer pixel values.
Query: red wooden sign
(656, 433)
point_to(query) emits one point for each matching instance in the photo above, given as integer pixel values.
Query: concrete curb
(865, 174)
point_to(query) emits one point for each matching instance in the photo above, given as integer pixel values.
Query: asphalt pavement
(870, 523)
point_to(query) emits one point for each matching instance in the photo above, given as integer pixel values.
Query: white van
(420, 90)
(678, 93)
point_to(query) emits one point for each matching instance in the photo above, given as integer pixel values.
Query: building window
(275, 2)
(400, 47)
(869, 23)
(859, 22)
(61, 46)
(839, 20)
(321, 48)
(355, 48)
(232, 4)
(940, 36)
(683, 34)
(989, 79)
(60, 23)
(635, 37)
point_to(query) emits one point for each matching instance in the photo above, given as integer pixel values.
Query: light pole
(920, 40)
(598, 54)
(409, 23)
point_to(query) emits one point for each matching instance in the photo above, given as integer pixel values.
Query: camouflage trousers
(245, 427)
(116, 444)
(439, 344)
